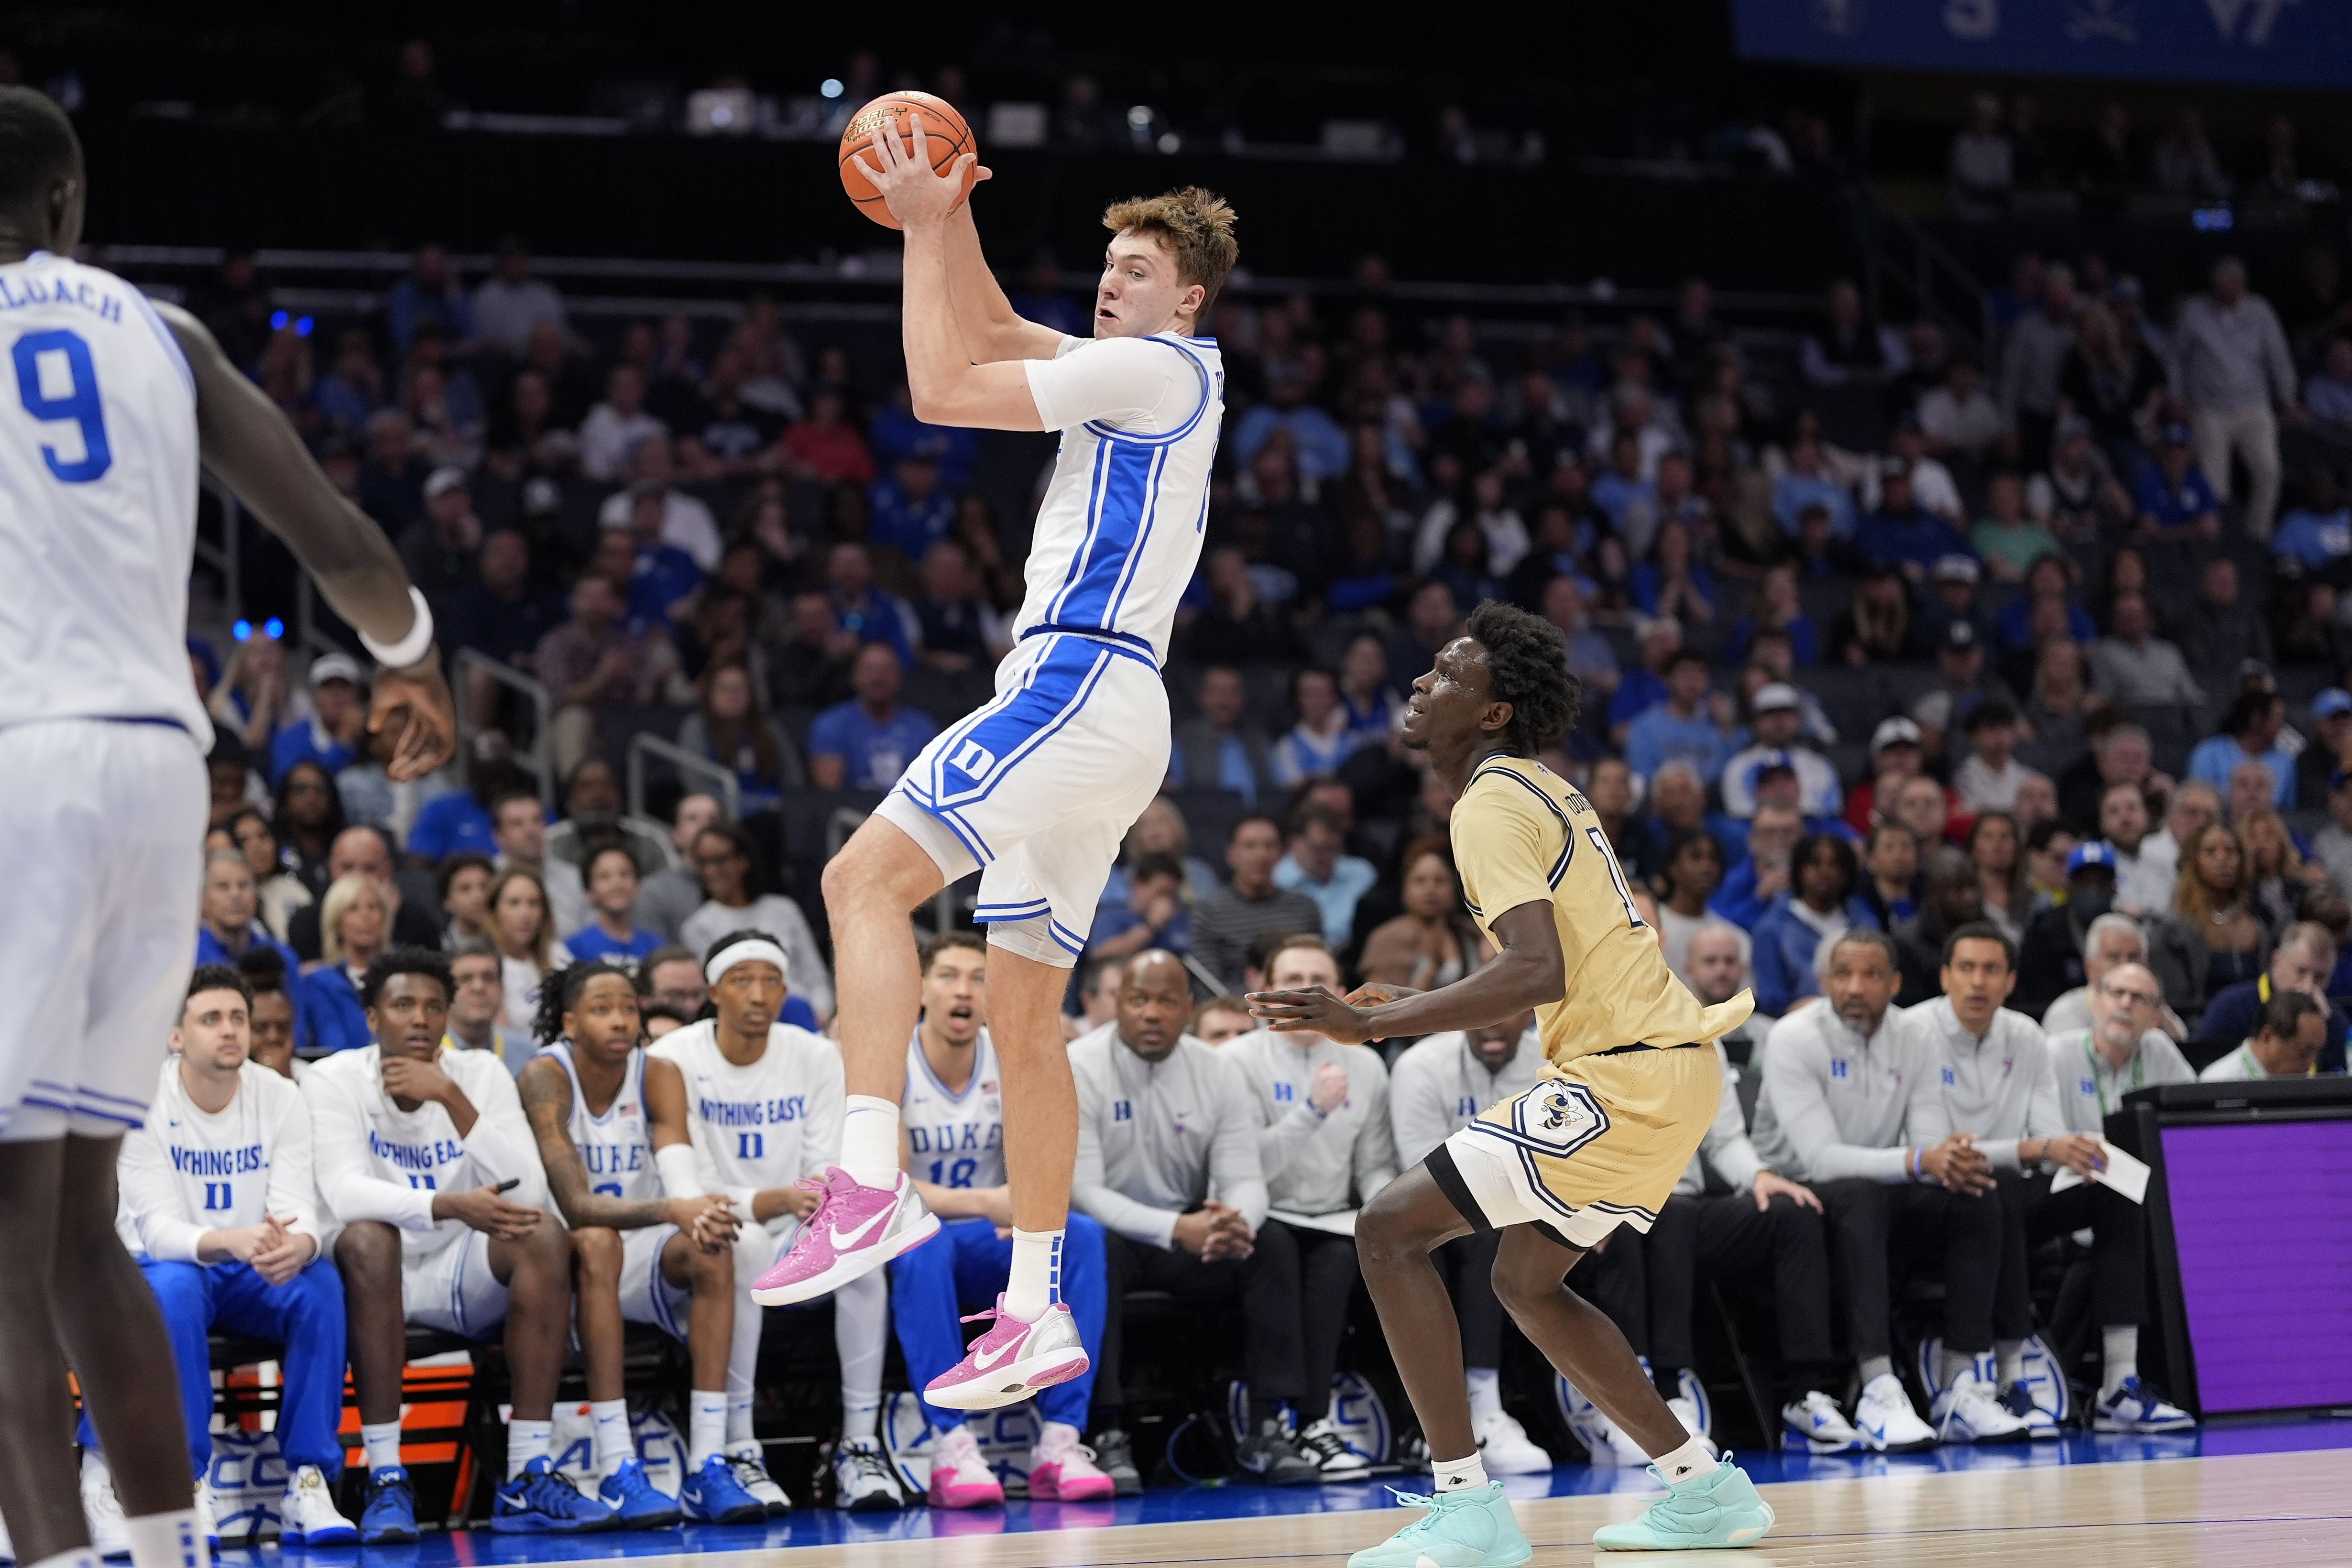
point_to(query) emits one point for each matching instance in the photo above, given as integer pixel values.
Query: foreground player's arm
(545, 1090)
(250, 444)
(991, 331)
(1528, 972)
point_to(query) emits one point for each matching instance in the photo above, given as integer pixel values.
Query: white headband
(746, 952)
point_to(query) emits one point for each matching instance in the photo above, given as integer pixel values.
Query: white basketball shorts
(453, 1287)
(1037, 789)
(101, 836)
(645, 1296)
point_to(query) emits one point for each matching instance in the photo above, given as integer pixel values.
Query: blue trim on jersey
(1168, 438)
(1008, 912)
(665, 1315)
(1126, 643)
(1064, 935)
(1125, 488)
(914, 1050)
(1078, 557)
(101, 1095)
(171, 344)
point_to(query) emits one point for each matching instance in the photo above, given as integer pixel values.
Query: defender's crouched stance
(1628, 1092)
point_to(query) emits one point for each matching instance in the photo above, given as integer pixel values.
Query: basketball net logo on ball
(946, 138)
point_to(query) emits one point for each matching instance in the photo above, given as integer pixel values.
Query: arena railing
(534, 759)
(687, 763)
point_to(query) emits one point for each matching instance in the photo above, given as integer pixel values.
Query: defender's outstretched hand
(1315, 1011)
(913, 190)
(416, 701)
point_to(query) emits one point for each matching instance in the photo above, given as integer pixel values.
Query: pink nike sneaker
(1062, 1468)
(959, 1477)
(855, 1231)
(1011, 1361)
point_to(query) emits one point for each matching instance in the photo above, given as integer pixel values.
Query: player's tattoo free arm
(991, 331)
(1527, 973)
(250, 444)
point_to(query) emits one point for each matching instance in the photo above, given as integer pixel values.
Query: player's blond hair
(1195, 225)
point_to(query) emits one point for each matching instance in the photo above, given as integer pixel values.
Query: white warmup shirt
(1156, 1139)
(1315, 1163)
(1999, 1087)
(954, 1140)
(188, 1171)
(2088, 1088)
(764, 1125)
(1833, 1104)
(376, 1161)
(1439, 1085)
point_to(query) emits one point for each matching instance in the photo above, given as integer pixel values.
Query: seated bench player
(1325, 1146)
(1168, 1166)
(2125, 1049)
(427, 1173)
(638, 1254)
(1840, 1077)
(758, 1123)
(1437, 1087)
(952, 1122)
(217, 1205)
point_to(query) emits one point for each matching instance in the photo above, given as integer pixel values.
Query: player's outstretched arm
(250, 444)
(1528, 973)
(992, 329)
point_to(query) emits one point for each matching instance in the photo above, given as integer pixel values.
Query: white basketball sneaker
(1818, 1423)
(101, 1509)
(1885, 1420)
(1970, 1411)
(1506, 1448)
(750, 1463)
(307, 1515)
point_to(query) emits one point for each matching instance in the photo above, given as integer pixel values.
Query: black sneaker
(1270, 1454)
(1115, 1456)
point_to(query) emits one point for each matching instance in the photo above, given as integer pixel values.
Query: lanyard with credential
(2098, 1082)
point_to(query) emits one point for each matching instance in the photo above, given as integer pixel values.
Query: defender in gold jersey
(1629, 1087)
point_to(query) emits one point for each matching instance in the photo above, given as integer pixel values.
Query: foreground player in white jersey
(417, 1149)
(1040, 785)
(107, 405)
(749, 1108)
(639, 1256)
(219, 1206)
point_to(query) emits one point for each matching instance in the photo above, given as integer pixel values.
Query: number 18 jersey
(97, 501)
(954, 1140)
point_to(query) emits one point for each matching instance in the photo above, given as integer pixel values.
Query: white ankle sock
(382, 1441)
(739, 1417)
(2009, 1355)
(525, 1441)
(1452, 1475)
(1875, 1366)
(706, 1431)
(869, 1140)
(1036, 1282)
(2120, 1357)
(1692, 1458)
(166, 1541)
(1485, 1387)
(861, 1414)
(615, 1446)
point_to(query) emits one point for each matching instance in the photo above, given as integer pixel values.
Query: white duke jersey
(954, 1140)
(1118, 533)
(764, 1125)
(617, 1148)
(188, 1171)
(97, 501)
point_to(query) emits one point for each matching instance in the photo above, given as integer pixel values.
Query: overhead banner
(2285, 43)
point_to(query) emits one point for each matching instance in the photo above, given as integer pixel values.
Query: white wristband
(680, 1176)
(409, 649)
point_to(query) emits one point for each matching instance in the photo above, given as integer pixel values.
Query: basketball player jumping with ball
(1037, 788)
(1629, 1087)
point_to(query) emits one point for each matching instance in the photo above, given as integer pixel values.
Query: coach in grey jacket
(1168, 1165)
(1839, 1079)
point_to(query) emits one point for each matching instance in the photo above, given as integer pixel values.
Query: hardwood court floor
(2261, 1511)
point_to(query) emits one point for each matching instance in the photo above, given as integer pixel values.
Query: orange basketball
(947, 137)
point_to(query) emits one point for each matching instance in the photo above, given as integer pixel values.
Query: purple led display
(2264, 1233)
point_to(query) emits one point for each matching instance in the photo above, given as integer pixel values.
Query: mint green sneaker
(1718, 1508)
(1470, 1528)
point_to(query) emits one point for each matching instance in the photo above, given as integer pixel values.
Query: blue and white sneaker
(1886, 1421)
(1816, 1425)
(2040, 1425)
(2134, 1406)
(1970, 1411)
(636, 1503)
(712, 1495)
(306, 1514)
(389, 1516)
(539, 1501)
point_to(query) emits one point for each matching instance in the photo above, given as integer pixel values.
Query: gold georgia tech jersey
(1523, 835)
